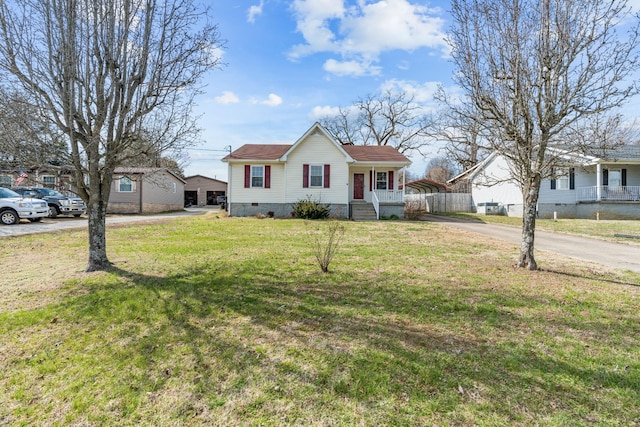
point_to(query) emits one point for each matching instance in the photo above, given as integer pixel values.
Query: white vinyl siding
(310, 151)
(275, 194)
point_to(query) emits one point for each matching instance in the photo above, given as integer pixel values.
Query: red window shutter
(267, 176)
(327, 176)
(370, 181)
(247, 176)
(305, 176)
(390, 177)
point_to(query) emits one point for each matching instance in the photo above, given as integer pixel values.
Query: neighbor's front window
(5, 181)
(381, 180)
(125, 185)
(49, 181)
(615, 177)
(315, 175)
(562, 180)
(257, 176)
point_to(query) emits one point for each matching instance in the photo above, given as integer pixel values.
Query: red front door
(358, 186)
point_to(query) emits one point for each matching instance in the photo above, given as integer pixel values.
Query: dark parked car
(59, 204)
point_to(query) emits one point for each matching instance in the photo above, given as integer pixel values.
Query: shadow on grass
(259, 341)
(362, 339)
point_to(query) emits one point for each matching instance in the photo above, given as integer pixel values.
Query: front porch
(609, 193)
(382, 203)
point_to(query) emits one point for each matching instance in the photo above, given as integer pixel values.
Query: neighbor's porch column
(598, 182)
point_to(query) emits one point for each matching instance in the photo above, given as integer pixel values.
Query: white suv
(13, 208)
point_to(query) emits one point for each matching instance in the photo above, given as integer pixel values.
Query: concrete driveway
(48, 225)
(614, 255)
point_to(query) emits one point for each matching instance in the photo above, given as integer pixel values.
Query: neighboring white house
(269, 179)
(602, 184)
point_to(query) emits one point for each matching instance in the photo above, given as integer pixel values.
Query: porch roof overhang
(379, 164)
(428, 186)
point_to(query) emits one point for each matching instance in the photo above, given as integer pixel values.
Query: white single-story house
(598, 184)
(145, 190)
(268, 179)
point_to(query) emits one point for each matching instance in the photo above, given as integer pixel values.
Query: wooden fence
(439, 202)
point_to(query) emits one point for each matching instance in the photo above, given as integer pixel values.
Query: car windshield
(5, 192)
(53, 193)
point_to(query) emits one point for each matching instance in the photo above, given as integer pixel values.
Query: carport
(421, 188)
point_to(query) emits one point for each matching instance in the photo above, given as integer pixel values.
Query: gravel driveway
(610, 254)
(48, 225)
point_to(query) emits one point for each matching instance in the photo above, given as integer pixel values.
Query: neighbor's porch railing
(389, 196)
(376, 204)
(608, 193)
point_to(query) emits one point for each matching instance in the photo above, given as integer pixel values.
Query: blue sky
(290, 62)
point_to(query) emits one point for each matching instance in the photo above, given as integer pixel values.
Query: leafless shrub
(412, 210)
(325, 238)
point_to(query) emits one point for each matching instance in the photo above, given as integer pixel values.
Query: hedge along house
(145, 190)
(358, 182)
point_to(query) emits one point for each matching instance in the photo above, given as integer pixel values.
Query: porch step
(363, 212)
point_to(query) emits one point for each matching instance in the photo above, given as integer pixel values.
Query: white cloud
(227, 97)
(272, 100)
(350, 68)
(319, 112)
(255, 11)
(422, 93)
(362, 31)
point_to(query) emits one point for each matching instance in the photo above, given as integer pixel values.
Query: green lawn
(217, 321)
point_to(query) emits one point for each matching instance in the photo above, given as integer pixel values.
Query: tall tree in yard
(103, 71)
(537, 73)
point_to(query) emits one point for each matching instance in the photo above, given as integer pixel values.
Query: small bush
(325, 242)
(412, 210)
(310, 209)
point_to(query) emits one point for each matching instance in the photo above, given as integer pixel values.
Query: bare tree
(103, 70)
(536, 71)
(440, 169)
(391, 118)
(27, 140)
(460, 130)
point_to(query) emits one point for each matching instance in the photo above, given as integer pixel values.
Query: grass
(213, 321)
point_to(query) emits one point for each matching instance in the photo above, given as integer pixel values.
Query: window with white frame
(48, 181)
(5, 181)
(125, 185)
(562, 179)
(381, 180)
(257, 176)
(316, 178)
(615, 177)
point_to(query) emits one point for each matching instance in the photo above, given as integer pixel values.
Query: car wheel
(77, 215)
(53, 212)
(35, 219)
(9, 217)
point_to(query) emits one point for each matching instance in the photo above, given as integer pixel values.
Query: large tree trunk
(530, 207)
(98, 260)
